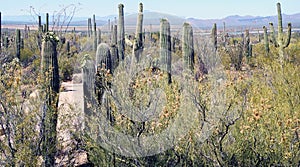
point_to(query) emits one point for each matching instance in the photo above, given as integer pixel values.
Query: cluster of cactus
(138, 43)
(121, 32)
(188, 47)
(50, 82)
(165, 47)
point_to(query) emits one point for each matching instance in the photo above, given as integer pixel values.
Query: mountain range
(153, 18)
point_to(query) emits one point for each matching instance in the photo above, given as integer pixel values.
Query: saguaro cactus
(121, 32)
(99, 36)
(281, 42)
(165, 47)
(114, 49)
(188, 47)
(266, 40)
(50, 86)
(247, 44)
(89, 34)
(214, 36)
(138, 46)
(47, 22)
(18, 43)
(95, 33)
(103, 61)
(88, 72)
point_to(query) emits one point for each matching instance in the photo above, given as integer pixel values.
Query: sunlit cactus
(165, 47)
(281, 42)
(188, 47)
(266, 40)
(50, 86)
(138, 44)
(121, 32)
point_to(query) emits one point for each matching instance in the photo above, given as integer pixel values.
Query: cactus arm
(289, 32)
(273, 38)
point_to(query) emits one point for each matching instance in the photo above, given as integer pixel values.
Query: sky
(202, 9)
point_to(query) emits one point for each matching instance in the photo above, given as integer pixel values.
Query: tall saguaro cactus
(188, 47)
(266, 40)
(121, 32)
(18, 43)
(89, 34)
(214, 36)
(88, 72)
(50, 86)
(114, 48)
(138, 46)
(95, 33)
(281, 42)
(103, 61)
(165, 47)
(247, 44)
(47, 22)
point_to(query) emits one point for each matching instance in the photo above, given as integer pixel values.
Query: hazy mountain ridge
(153, 18)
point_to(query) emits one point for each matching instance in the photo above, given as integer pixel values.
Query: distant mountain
(153, 18)
(246, 21)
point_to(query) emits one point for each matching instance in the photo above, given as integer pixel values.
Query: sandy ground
(70, 121)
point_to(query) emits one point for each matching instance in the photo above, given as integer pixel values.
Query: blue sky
(202, 9)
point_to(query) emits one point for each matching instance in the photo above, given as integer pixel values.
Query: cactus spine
(165, 47)
(214, 36)
(281, 42)
(138, 46)
(50, 82)
(121, 33)
(266, 40)
(18, 43)
(188, 47)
